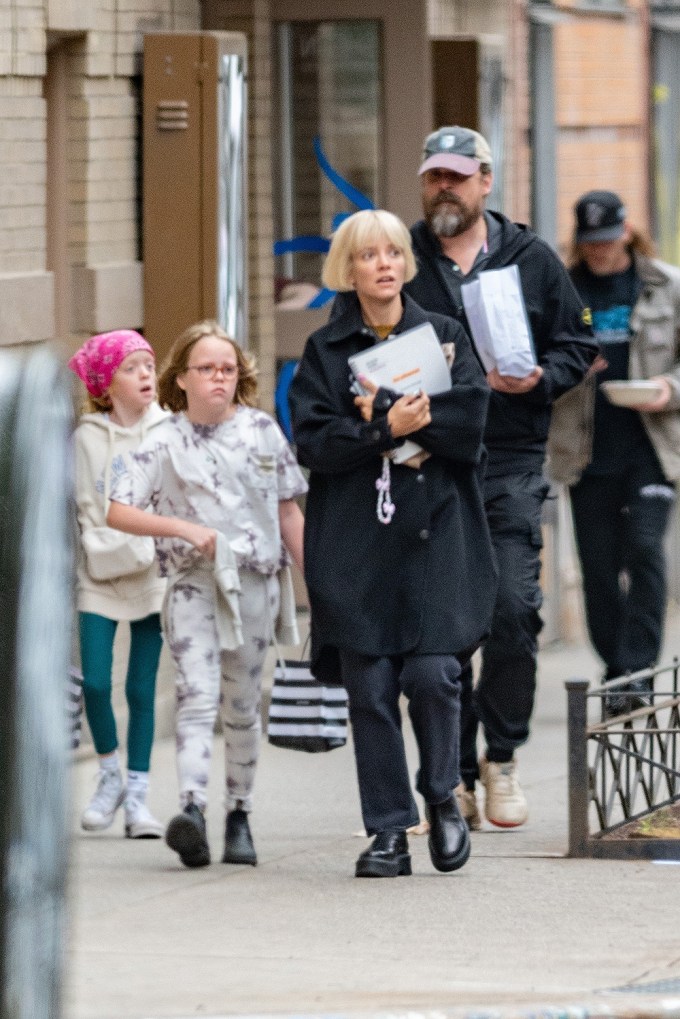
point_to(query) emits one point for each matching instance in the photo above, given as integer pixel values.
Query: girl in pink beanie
(117, 578)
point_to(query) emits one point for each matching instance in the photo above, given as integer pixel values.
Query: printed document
(494, 305)
(407, 363)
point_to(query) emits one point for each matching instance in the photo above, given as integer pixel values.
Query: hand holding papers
(408, 363)
(498, 321)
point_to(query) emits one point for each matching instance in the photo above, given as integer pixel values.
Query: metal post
(544, 134)
(579, 789)
(36, 566)
(9, 596)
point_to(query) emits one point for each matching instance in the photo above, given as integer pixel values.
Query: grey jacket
(654, 350)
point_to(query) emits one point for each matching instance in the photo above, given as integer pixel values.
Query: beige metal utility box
(194, 187)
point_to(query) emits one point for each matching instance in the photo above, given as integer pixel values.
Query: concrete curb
(614, 1008)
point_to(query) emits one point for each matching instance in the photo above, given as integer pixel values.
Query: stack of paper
(498, 321)
(408, 363)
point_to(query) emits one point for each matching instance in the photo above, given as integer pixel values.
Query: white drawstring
(385, 507)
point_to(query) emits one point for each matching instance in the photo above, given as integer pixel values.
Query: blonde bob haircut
(357, 232)
(173, 397)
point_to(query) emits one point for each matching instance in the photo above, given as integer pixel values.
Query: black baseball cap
(600, 216)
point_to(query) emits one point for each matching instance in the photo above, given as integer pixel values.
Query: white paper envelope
(406, 363)
(497, 316)
(473, 303)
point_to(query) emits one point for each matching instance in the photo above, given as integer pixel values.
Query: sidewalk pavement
(520, 931)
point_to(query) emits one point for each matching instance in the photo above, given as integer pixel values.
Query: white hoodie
(102, 452)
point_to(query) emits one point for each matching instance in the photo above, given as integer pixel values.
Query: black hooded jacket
(517, 424)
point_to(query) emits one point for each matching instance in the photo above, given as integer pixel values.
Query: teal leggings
(96, 648)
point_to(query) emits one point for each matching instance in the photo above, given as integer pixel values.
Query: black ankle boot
(186, 834)
(388, 856)
(636, 694)
(449, 840)
(238, 842)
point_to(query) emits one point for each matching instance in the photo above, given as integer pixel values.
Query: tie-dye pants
(207, 679)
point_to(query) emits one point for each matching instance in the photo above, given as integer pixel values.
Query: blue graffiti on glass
(313, 242)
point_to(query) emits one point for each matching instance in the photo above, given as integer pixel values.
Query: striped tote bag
(303, 713)
(74, 707)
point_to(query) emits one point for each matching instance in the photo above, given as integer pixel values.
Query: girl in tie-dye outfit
(221, 481)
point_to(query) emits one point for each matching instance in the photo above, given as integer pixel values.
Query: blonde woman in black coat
(401, 580)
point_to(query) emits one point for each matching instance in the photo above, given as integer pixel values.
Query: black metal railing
(623, 767)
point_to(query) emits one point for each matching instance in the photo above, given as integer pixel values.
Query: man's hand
(511, 384)
(660, 402)
(598, 365)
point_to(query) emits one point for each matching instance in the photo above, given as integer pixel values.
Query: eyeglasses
(210, 371)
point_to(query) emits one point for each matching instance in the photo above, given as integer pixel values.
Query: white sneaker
(467, 804)
(506, 805)
(140, 822)
(101, 809)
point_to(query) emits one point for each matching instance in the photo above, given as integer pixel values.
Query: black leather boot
(238, 842)
(388, 856)
(186, 834)
(449, 840)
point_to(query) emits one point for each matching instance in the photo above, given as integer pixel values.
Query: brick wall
(601, 111)
(22, 175)
(102, 190)
(95, 197)
(84, 213)
(460, 17)
(600, 61)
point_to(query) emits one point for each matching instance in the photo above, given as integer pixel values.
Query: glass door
(329, 140)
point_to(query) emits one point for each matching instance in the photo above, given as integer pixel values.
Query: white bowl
(629, 394)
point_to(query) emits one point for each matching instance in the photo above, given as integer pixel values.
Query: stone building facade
(70, 160)
(562, 88)
(70, 79)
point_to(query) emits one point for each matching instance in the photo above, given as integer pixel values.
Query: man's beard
(445, 223)
(449, 217)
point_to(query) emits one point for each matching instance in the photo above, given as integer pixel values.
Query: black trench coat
(426, 582)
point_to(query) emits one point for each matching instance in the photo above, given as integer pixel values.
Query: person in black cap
(621, 462)
(455, 241)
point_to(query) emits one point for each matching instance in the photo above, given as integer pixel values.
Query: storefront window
(329, 93)
(666, 137)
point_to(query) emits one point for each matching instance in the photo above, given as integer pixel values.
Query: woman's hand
(365, 402)
(408, 414)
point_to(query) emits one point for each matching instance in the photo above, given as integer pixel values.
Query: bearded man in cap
(621, 462)
(456, 240)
